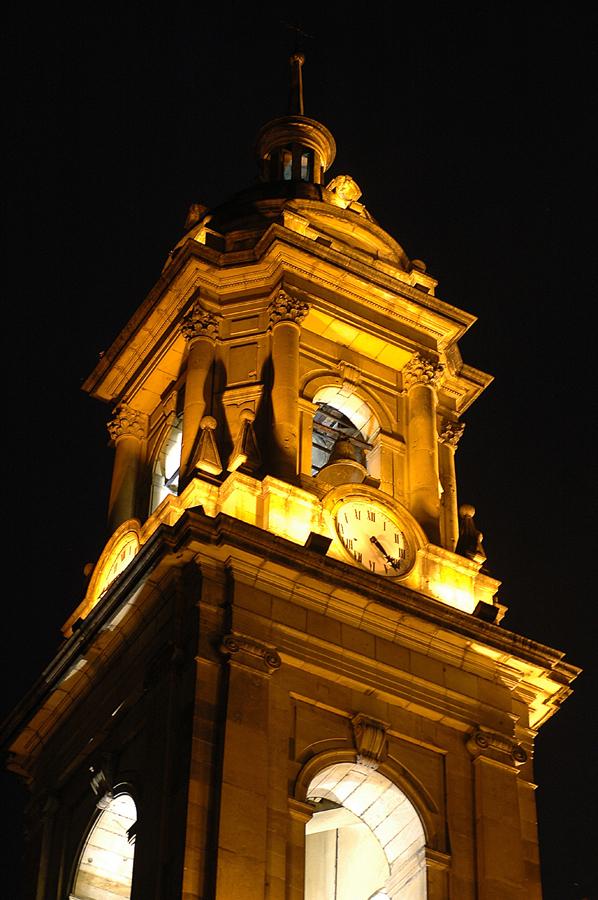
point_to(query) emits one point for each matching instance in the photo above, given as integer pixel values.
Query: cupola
(295, 147)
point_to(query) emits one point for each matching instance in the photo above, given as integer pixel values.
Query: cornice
(534, 672)
(257, 271)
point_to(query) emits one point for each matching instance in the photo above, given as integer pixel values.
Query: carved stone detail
(351, 377)
(200, 323)
(245, 452)
(102, 779)
(285, 308)
(239, 645)
(370, 740)
(482, 742)
(422, 371)
(127, 422)
(451, 432)
(208, 458)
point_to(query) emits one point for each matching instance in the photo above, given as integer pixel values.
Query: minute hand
(393, 562)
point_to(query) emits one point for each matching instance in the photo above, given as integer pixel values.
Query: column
(127, 430)
(286, 315)
(243, 825)
(449, 523)
(420, 378)
(200, 329)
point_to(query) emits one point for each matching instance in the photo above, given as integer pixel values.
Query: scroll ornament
(236, 644)
(482, 742)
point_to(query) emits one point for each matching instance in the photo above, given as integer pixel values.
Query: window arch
(105, 866)
(165, 471)
(365, 841)
(341, 417)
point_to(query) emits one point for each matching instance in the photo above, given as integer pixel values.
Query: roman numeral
(372, 565)
(371, 515)
(357, 513)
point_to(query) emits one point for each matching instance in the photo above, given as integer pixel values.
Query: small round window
(105, 868)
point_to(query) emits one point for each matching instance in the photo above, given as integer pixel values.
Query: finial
(296, 95)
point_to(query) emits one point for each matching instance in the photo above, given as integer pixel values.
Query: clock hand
(393, 562)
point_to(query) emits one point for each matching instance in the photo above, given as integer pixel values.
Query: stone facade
(280, 640)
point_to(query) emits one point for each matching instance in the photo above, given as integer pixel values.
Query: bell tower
(289, 676)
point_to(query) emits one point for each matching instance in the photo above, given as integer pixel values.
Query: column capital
(496, 747)
(450, 432)
(127, 422)
(251, 653)
(285, 308)
(199, 322)
(422, 371)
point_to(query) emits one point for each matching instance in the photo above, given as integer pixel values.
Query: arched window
(365, 841)
(165, 473)
(343, 425)
(105, 867)
(330, 426)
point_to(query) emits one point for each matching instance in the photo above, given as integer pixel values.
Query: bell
(345, 465)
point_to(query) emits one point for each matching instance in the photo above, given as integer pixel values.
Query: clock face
(372, 535)
(119, 559)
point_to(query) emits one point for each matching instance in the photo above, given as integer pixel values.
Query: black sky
(470, 132)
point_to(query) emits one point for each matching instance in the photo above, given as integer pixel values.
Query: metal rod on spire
(296, 96)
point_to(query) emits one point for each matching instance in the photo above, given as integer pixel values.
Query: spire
(296, 96)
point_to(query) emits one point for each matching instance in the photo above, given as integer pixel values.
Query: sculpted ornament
(127, 422)
(451, 433)
(285, 308)
(422, 371)
(370, 740)
(200, 323)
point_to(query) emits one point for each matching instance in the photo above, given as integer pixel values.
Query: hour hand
(389, 559)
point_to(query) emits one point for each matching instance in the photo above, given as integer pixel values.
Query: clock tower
(289, 676)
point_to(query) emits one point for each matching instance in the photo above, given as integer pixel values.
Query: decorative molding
(251, 651)
(285, 308)
(422, 371)
(127, 422)
(451, 432)
(370, 736)
(200, 323)
(482, 742)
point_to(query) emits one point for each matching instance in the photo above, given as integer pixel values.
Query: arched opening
(165, 472)
(343, 425)
(365, 840)
(105, 867)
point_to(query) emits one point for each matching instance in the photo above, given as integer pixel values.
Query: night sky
(469, 132)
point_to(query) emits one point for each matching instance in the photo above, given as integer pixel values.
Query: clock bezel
(339, 498)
